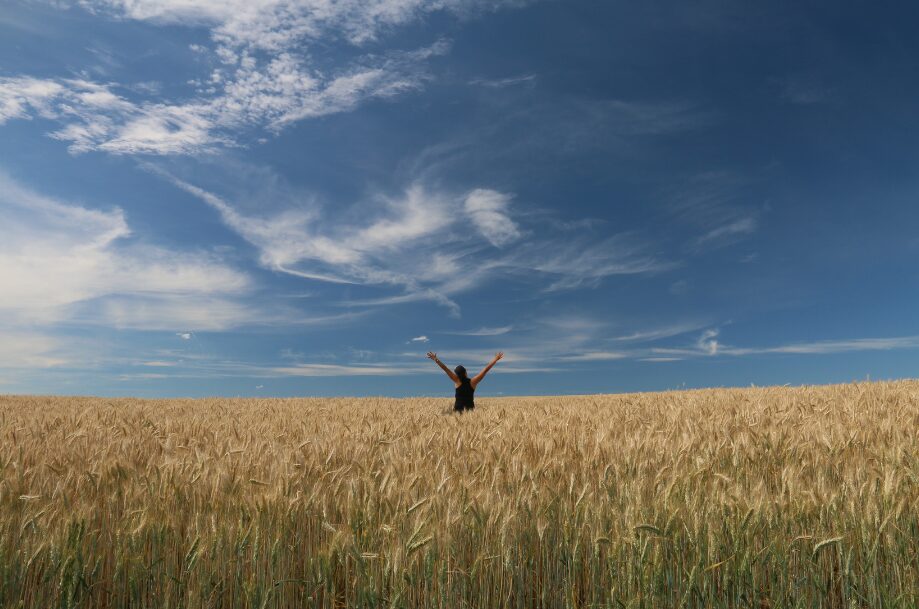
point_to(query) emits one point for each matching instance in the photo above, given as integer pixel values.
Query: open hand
(499, 355)
(432, 355)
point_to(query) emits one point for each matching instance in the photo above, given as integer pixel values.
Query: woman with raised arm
(465, 386)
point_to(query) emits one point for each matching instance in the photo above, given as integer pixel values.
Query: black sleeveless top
(464, 396)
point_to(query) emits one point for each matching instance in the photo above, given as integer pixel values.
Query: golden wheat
(775, 497)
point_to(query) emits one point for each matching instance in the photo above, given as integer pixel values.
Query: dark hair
(461, 373)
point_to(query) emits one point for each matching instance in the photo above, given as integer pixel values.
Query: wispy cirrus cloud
(29, 350)
(595, 356)
(499, 331)
(310, 370)
(272, 25)
(489, 214)
(94, 116)
(22, 97)
(500, 83)
(548, 350)
(582, 261)
(833, 346)
(61, 261)
(550, 128)
(100, 116)
(298, 242)
(668, 331)
(415, 243)
(583, 348)
(262, 73)
(213, 368)
(729, 231)
(713, 203)
(708, 344)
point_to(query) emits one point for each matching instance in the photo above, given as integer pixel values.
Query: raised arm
(449, 372)
(478, 378)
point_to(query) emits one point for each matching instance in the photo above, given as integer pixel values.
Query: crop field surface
(760, 497)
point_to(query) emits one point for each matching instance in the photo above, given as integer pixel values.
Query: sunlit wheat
(775, 497)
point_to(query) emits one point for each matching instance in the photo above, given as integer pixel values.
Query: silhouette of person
(465, 386)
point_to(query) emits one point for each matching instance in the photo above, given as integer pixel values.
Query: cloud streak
(96, 116)
(712, 202)
(500, 83)
(56, 258)
(595, 356)
(274, 25)
(296, 242)
(488, 211)
(262, 73)
(834, 346)
(482, 331)
(415, 243)
(708, 345)
(29, 350)
(729, 231)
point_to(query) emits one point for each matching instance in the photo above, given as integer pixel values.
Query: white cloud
(282, 91)
(184, 335)
(713, 202)
(297, 243)
(595, 356)
(707, 343)
(272, 25)
(261, 73)
(834, 346)
(19, 349)
(93, 117)
(63, 261)
(167, 311)
(728, 232)
(543, 353)
(581, 262)
(500, 83)
(420, 339)
(346, 370)
(152, 129)
(415, 215)
(21, 97)
(411, 243)
(405, 368)
(391, 249)
(659, 333)
(488, 211)
(210, 367)
(482, 331)
(575, 324)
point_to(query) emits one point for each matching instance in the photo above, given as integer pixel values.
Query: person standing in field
(465, 386)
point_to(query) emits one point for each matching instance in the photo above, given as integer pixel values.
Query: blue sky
(302, 197)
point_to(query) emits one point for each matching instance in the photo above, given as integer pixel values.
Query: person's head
(461, 373)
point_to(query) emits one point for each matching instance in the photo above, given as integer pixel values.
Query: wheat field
(760, 497)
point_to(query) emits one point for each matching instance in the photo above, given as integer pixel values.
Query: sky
(303, 197)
